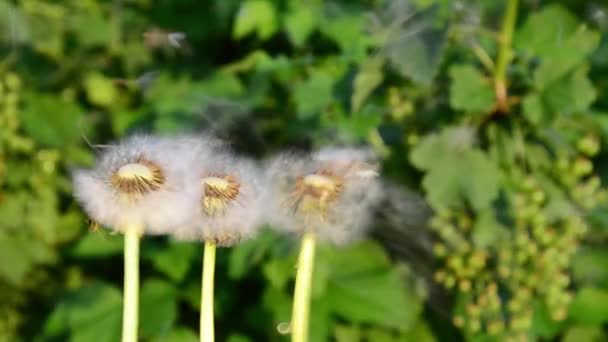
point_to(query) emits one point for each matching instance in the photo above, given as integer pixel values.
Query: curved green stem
(131, 285)
(206, 324)
(301, 300)
(505, 55)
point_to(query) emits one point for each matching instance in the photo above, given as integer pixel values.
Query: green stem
(301, 300)
(131, 285)
(206, 324)
(505, 55)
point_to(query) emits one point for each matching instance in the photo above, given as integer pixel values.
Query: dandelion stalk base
(206, 324)
(131, 285)
(301, 301)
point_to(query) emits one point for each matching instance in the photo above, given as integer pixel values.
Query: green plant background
(506, 194)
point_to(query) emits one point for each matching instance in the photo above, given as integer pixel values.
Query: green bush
(495, 113)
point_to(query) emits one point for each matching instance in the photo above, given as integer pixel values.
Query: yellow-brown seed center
(218, 192)
(315, 192)
(138, 178)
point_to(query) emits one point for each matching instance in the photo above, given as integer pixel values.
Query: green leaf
(238, 338)
(590, 266)
(175, 260)
(368, 78)
(255, 16)
(555, 35)
(578, 333)
(573, 93)
(245, 255)
(98, 245)
(346, 29)
(420, 332)
(313, 94)
(479, 179)
(590, 306)
(94, 29)
(52, 121)
(100, 90)
(378, 297)
(344, 333)
(158, 308)
(278, 271)
(22, 253)
(533, 109)
(300, 22)
(417, 56)
(91, 313)
(179, 335)
(487, 231)
(11, 248)
(476, 179)
(542, 323)
(470, 91)
(364, 287)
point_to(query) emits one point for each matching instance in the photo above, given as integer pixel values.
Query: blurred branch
(505, 55)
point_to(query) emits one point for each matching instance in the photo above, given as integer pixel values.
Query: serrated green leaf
(573, 93)
(255, 16)
(470, 91)
(556, 36)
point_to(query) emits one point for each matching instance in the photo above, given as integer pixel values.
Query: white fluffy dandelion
(327, 196)
(226, 191)
(140, 186)
(329, 193)
(142, 181)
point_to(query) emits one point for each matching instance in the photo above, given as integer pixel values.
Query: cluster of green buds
(495, 286)
(534, 263)
(575, 173)
(467, 272)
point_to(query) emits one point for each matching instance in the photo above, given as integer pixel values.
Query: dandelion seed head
(229, 197)
(142, 181)
(331, 192)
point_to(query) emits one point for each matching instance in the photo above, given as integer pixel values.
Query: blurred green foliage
(519, 223)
